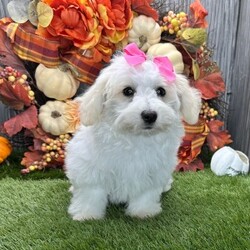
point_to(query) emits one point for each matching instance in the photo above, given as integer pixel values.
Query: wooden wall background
(3, 10)
(230, 38)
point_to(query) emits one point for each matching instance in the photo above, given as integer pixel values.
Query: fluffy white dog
(126, 148)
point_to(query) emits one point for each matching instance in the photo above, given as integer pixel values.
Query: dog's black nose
(149, 117)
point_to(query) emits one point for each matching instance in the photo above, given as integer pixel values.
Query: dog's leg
(88, 203)
(145, 205)
(168, 185)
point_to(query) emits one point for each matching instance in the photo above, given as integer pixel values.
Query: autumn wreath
(72, 40)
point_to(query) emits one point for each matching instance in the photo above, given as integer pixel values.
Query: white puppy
(126, 149)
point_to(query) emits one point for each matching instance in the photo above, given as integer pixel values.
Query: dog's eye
(161, 92)
(128, 91)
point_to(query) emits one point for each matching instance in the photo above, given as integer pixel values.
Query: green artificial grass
(202, 211)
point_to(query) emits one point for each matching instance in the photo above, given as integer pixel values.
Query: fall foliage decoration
(49, 49)
(188, 33)
(16, 92)
(198, 14)
(50, 152)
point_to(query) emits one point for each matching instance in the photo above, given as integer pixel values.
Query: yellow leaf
(196, 69)
(44, 13)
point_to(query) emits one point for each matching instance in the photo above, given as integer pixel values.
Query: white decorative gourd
(144, 32)
(169, 50)
(52, 118)
(227, 161)
(55, 83)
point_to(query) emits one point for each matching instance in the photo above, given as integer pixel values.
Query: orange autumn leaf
(217, 137)
(198, 14)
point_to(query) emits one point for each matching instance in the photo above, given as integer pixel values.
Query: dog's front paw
(144, 212)
(168, 185)
(83, 217)
(71, 189)
(88, 214)
(81, 211)
(88, 204)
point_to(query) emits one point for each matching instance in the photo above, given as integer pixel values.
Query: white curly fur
(115, 156)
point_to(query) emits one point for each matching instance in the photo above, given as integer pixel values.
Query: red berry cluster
(53, 153)
(14, 77)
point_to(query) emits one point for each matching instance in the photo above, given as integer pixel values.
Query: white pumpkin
(144, 32)
(227, 161)
(169, 50)
(55, 83)
(52, 119)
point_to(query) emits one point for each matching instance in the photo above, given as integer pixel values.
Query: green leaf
(195, 36)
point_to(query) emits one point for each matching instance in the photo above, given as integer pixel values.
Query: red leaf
(38, 133)
(195, 165)
(211, 85)
(27, 119)
(217, 137)
(143, 7)
(37, 144)
(30, 157)
(15, 96)
(215, 126)
(198, 14)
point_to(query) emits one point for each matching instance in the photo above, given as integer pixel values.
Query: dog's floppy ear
(190, 99)
(91, 102)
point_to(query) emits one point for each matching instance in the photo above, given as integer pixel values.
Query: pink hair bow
(135, 56)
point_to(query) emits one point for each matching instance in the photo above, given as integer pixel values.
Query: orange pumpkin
(5, 148)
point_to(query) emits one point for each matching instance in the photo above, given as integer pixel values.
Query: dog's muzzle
(149, 117)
